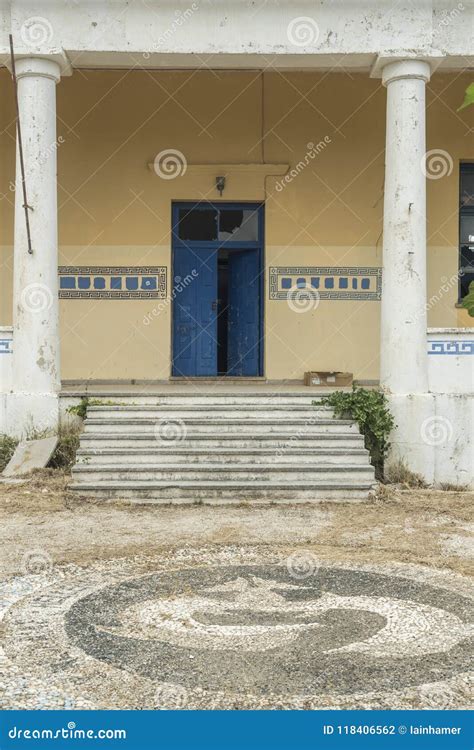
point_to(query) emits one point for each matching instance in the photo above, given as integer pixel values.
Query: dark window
(466, 229)
(197, 224)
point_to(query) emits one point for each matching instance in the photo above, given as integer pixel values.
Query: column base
(412, 437)
(30, 415)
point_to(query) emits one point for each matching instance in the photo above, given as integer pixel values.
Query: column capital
(393, 67)
(53, 65)
(37, 67)
(403, 69)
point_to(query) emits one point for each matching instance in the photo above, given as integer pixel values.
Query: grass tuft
(64, 455)
(399, 473)
(7, 449)
(452, 487)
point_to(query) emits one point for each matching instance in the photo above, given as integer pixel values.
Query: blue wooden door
(243, 352)
(195, 312)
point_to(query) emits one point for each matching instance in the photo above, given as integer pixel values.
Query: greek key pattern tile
(450, 347)
(334, 283)
(112, 282)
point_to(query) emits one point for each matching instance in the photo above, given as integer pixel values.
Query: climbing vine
(370, 410)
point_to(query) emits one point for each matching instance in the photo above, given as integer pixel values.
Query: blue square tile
(301, 283)
(365, 284)
(149, 282)
(343, 283)
(329, 283)
(116, 282)
(99, 282)
(315, 282)
(67, 282)
(84, 282)
(286, 283)
(131, 282)
(354, 283)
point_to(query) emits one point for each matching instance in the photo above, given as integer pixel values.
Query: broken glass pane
(238, 225)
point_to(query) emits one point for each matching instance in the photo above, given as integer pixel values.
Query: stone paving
(235, 627)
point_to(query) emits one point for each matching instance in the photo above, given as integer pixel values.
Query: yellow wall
(114, 210)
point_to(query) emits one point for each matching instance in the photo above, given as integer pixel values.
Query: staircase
(220, 447)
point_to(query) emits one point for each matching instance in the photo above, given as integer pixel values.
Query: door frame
(259, 246)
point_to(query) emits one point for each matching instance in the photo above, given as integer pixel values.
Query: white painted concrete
(451, 380)
(451, 360)
(451, 435)
(403, 355)
(36, 377)
(404, 365)
(6, 358)
(281, 33)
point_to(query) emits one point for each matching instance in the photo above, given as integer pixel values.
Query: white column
(36, 374)
(404, 360)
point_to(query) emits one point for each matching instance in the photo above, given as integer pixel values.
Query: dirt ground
(427, 527)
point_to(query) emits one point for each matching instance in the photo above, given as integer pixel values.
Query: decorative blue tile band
(457, 347)
(326, 283)
(112, 282)
(6, 346)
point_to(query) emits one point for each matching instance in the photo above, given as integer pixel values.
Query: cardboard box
(334, 379)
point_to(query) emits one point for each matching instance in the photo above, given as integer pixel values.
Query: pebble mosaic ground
(235, 627)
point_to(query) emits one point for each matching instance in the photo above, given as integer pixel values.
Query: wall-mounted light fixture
(220, 184)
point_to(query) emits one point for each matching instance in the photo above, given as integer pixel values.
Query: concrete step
(187, 456)
(216, 447)
(173, 429)
(215, 411)
(223, 493)
(277, 441)
(220, 472)
(198, 397)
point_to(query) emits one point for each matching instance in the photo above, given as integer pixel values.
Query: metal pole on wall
(26, 206)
